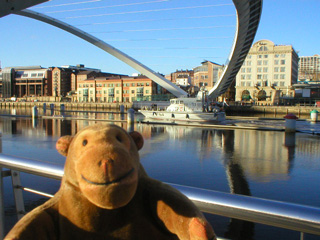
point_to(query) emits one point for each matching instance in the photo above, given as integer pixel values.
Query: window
(283, 62)
(259, 69)
(147, 84)
(259, 56)
(33, 74)
(265, 56)
(132, 91)
(276, 69)
(40, 74)
(283, 55)
(282, 69)
(259, 62)
(276, 55)
(248, 70)
(259, 76)
(132, 84)
(243, 84)
(265, 69)
(265, 76)
(281, 84)
(276, 76)
(249, 62)
(248, 77)
(243, 77)
(243, 70)
(282, 76)
(265, 62)
(276, 62)
(263, 48)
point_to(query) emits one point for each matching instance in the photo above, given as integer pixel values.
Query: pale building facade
(267, 74)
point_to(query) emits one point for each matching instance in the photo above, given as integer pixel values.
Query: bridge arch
(248, 18)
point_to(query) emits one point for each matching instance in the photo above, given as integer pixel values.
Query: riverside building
(25, 81)
(267, 74)
(118, 89)
(309, 68)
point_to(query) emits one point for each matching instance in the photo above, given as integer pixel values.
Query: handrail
(295, 217)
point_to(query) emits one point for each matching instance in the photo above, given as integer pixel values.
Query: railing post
(17, 192)
(2, 231)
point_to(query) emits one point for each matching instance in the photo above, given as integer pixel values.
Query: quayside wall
(298, 110)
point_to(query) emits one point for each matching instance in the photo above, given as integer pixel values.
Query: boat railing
(300, 218)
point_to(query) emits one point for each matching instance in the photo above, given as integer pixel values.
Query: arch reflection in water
(270, 165)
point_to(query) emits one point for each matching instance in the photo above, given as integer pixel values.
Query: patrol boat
(187, 109)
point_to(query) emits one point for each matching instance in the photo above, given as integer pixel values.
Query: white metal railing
(304, 219)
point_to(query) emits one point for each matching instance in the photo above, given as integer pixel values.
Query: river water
(266, 164)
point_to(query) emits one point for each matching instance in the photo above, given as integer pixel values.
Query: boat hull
(185, 116)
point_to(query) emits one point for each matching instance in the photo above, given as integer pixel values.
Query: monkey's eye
(84, 142)
(118, 137)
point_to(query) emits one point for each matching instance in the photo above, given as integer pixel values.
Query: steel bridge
(248, 18)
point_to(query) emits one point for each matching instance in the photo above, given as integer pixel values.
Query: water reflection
(274, 165)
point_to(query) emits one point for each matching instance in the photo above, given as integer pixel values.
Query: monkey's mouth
(111, 182)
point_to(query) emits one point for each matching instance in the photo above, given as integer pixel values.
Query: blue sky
(165, 35)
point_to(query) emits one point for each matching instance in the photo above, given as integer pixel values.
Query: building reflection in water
(247, 156)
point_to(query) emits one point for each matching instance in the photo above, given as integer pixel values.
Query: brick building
(117, 89)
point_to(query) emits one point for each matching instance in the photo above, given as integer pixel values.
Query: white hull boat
(186, 109)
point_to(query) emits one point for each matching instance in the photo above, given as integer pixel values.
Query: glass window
(282, 76)
(276, 76)
(259, 62)
(243, 70)
(276, 69)
(248, 70)
(276, 55)
(259, 69)
(259, 76)
(248, 63)
(265, 69)
(282, 69)
(283, 62)
(276, 62)
(265, 62)
(265, 56)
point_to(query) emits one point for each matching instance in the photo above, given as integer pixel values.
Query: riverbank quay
(232, 122)
(231, 109)
(297, 110)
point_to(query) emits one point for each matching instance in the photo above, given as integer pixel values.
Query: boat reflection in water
(265, 164)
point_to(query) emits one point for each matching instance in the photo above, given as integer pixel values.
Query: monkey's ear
(63, 144)
(137, 138)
